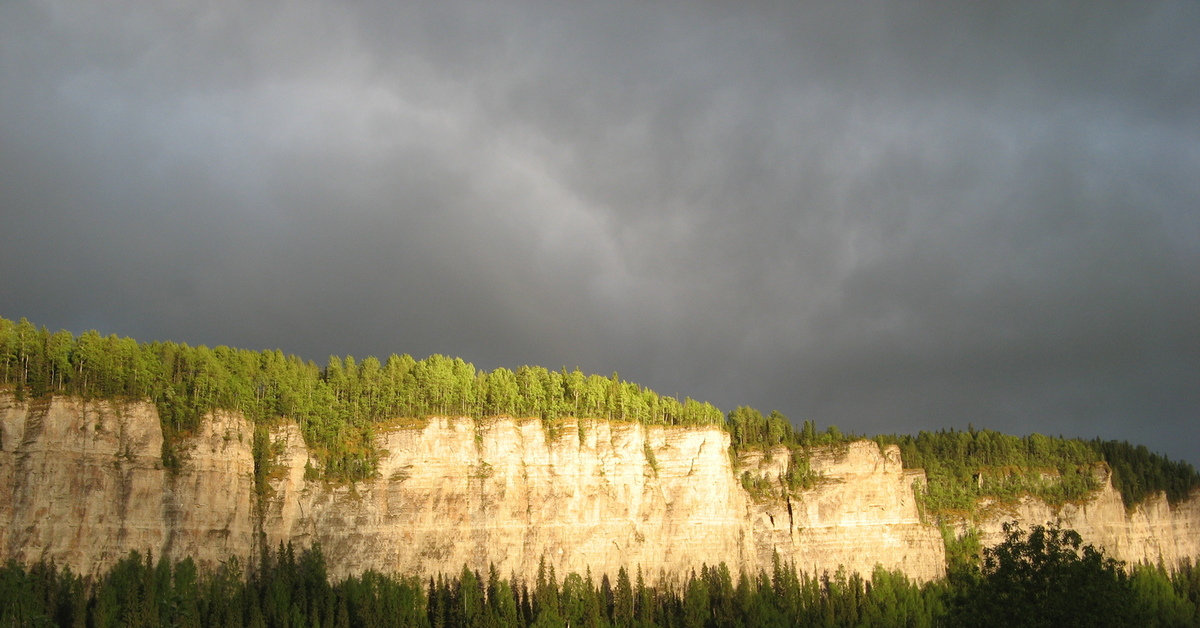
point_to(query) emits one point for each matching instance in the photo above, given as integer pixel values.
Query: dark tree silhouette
(1044, 578)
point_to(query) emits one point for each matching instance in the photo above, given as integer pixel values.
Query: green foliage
(1157, 601)
(651, 460)
(1045, 578)
(800, 475)
(966, 467)
(757, 486)
(963, 553)
(337, 407)
(41, 596)
(748, 429)
(1186, 581)
(1138, 473)
(264, 453)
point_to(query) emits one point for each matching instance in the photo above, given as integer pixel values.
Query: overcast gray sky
(890, 216)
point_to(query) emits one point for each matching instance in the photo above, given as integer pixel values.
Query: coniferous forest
(1041, 578)
(1043, 573)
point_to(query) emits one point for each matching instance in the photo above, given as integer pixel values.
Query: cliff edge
(86, 485)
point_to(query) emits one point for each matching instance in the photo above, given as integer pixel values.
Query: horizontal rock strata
(86, 485)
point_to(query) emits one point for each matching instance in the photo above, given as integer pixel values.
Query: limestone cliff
(1153, 532)
(862, 510)
(598, 495)
(86, 486)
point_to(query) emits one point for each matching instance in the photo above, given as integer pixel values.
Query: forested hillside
(339, 406)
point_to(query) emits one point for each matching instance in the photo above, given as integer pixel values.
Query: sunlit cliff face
(86, 485)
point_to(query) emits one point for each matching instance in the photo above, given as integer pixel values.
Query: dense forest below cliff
(1043, 578)
(340, 406)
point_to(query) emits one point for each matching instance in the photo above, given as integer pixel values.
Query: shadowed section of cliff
(84, 484)
(87, 485)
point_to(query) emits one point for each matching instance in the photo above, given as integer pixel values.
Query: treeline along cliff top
(340, 406)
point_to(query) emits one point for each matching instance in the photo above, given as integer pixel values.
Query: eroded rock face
(1152, 532)
(86, 486)
(862, 511)
(594, 495)
(598, 495)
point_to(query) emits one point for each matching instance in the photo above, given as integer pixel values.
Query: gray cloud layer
(889, 216)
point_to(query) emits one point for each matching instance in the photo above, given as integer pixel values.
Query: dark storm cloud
(892, 216)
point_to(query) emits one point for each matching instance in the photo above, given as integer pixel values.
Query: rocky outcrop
(86, 486)
(862, 510)
(593, 495)
(1152, 532)
(596, 495)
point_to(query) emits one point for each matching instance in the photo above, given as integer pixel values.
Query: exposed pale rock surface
(86, 486)
(862, 510)
(1153, 532)
(598, 495)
